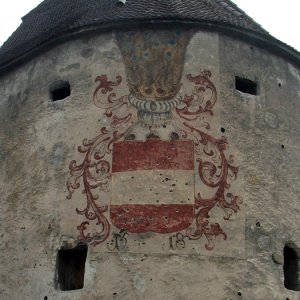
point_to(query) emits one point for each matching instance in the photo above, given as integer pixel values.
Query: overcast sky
(280, 18)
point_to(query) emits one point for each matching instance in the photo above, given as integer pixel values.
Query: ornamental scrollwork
(215, 169)
(93, 174)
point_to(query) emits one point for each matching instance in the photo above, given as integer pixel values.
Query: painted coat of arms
(156, 155)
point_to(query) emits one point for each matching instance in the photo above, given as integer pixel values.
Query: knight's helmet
(154, 61)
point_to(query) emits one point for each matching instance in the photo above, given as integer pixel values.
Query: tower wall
(244, 170)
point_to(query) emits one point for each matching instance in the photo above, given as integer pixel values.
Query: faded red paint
(164, 218)
(215, 169)
(95, 161)
(153, 155)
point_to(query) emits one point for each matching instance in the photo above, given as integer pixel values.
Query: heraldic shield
(152, 185)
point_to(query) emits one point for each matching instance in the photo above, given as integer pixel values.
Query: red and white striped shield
(152, 185)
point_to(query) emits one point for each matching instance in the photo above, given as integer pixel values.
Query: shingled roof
(54, 20)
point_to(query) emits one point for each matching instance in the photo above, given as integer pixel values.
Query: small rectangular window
(246, 86)
(291, 267)
(59, 90)
(71, 268)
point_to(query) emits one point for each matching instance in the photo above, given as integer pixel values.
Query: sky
(280, 18)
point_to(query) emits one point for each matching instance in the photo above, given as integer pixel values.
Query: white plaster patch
(153, 187)
(139, 283)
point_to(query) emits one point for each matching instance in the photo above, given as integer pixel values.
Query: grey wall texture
(208, 222)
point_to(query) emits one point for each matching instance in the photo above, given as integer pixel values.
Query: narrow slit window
(246, 86)
(59, 90)
(291, 267)
(71, 268)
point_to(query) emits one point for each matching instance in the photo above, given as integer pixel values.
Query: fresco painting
(157, 155)
(164, 171)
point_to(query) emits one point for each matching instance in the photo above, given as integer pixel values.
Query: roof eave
(266, 42)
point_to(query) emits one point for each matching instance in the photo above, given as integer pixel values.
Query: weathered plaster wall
(39, 139)
(265, 129)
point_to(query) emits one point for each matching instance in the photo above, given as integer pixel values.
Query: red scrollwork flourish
(94, 173)
(214, 168)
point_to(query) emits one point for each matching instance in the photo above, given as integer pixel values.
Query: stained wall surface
(181, 186)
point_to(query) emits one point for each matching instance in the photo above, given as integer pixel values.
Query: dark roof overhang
(255, 38)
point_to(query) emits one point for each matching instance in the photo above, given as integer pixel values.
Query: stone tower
(148, 150)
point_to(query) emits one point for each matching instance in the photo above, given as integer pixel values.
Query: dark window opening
(59, 90)
(71, 267)
(291, 267)
(246, 86)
